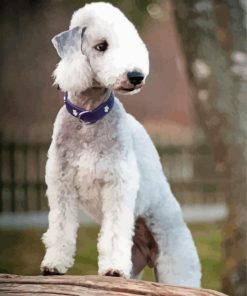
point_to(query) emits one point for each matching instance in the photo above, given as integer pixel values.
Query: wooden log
(90, 285)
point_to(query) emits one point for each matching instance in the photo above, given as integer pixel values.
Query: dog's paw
(49, 271)
(55, 263)
(114, 273)
(116, 268)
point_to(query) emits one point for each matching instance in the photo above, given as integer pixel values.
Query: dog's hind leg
(60, 238)
(177, 262)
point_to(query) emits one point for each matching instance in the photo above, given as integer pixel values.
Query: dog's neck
(90, 98)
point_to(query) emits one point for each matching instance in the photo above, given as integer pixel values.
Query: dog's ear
(68, 42)
(73, 72)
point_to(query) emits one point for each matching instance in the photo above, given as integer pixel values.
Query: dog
(102, 160)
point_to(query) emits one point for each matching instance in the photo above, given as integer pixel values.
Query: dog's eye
(101, 46)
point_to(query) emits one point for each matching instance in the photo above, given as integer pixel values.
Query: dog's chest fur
(90, 153)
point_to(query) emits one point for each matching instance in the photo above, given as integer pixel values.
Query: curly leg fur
(60, 238)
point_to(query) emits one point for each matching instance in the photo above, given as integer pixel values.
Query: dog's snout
(135, 77)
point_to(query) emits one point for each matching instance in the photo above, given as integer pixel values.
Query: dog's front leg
(60, 238)
(115, 238)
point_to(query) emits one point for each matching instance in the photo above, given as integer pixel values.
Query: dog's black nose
(135, 77)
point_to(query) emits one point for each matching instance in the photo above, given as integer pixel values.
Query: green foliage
(21, 252)
(136, 10)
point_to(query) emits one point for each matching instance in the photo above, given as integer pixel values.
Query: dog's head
(102, 48)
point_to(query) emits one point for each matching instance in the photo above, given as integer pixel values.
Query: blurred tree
(213, 37)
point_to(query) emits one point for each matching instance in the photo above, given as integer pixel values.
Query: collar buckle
(80, 115)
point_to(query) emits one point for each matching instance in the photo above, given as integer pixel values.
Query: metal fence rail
(192, 174)
(190, 171)
(22, 186)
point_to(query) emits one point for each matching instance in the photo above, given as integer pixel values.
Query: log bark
(91, 286)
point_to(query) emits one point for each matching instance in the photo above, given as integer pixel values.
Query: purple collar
(89, 116)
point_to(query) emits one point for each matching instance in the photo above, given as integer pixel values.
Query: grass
(21, 252)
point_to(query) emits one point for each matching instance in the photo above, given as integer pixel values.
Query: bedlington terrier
(102, 160)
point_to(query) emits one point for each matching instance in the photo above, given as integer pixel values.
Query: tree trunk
(90, 286)
(213, 36)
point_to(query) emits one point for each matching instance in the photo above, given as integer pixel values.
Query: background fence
(22, 169)
(190, 171)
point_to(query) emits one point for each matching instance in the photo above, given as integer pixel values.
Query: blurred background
(193, 105)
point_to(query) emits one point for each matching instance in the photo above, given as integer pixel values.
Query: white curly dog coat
(111, 168)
